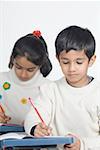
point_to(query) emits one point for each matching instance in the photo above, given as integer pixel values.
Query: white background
(18, 18)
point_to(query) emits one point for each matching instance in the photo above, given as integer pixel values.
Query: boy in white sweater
(71, 105)
(29, 65)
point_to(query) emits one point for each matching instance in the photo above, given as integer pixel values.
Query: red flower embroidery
(37, 33)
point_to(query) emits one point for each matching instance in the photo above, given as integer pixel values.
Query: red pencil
(30, 100)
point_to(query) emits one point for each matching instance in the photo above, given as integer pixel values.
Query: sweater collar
(89, 87)
(34, 81)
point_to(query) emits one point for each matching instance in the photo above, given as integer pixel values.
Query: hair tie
(37, 33)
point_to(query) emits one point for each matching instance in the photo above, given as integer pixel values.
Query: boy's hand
(42, 130)
(74, 146)
(4, 118)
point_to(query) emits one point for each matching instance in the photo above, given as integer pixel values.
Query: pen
(31, 102)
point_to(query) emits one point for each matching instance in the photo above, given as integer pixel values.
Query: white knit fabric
(15, 99)
(70, 110)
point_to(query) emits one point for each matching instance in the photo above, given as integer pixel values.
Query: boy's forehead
(73, 53)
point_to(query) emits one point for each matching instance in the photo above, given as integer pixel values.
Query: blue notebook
(33, 142)
(4, 128)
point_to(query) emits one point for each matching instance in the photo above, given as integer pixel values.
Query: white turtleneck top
(14, 94)
(70, 110)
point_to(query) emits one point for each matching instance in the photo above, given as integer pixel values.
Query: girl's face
(74, 65)
(24, 69)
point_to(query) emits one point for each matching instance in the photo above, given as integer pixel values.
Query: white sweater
(70, 110)
(14, 98)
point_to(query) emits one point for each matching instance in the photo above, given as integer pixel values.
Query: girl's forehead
(23, 61)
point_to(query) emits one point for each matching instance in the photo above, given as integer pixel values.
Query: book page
(13, 135)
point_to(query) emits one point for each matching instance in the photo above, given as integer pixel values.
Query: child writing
(29, 65)
(72, 102)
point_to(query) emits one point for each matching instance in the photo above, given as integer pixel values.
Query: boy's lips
(72, 74)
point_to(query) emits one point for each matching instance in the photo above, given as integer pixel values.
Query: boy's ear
(92, 60)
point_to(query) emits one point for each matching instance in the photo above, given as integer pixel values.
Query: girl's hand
(42, 130)
(4, 118)
(73, 146)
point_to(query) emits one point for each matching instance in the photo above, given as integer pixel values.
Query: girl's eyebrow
(23, 67)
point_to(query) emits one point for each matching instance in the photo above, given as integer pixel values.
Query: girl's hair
(34, 48)
(75, 38)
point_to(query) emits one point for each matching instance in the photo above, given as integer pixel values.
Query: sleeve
(1, 92)
(90, 143)
(45, 106)
(32, 130)
(3, 99)
(93, 142)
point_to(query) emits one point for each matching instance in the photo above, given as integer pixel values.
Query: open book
(23, 140)
(23, 135)
(14, 135)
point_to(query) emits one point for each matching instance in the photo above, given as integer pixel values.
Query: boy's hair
(75, 38)
(35, 50)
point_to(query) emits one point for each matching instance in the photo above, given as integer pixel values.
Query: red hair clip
(37, 33)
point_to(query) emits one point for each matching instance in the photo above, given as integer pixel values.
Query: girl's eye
(18, 67)
(31, 70)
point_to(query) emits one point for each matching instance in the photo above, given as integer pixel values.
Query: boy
(71, 105)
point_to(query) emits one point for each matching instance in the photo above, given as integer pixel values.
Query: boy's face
(24, 69)
(74, 65)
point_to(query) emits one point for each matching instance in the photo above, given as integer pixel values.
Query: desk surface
(33, 142)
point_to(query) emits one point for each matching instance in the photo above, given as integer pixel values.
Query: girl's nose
(24, 74)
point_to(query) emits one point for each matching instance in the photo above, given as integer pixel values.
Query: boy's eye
(79, 62)
(65, 62)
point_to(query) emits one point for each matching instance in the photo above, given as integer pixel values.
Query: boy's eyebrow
(63, 58)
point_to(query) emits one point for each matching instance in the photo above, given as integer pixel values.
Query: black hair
(75, 38)
(35, 50)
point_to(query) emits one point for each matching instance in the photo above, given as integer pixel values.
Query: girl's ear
(57, 57)
(92, 60)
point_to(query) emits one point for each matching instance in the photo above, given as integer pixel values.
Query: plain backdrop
(18, 18)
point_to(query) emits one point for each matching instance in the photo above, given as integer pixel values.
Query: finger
(76, 146)
(2, 120)
(39, 133)
(2, 114)
(47, 128)
(2, 117)
(7, 118)
(42, 132)
(43, 126)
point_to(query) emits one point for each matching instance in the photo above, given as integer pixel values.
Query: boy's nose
(72, 67)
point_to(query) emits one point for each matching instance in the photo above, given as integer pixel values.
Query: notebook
(4, 128)
(14, 135)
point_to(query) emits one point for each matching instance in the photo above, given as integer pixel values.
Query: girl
(29, 65)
